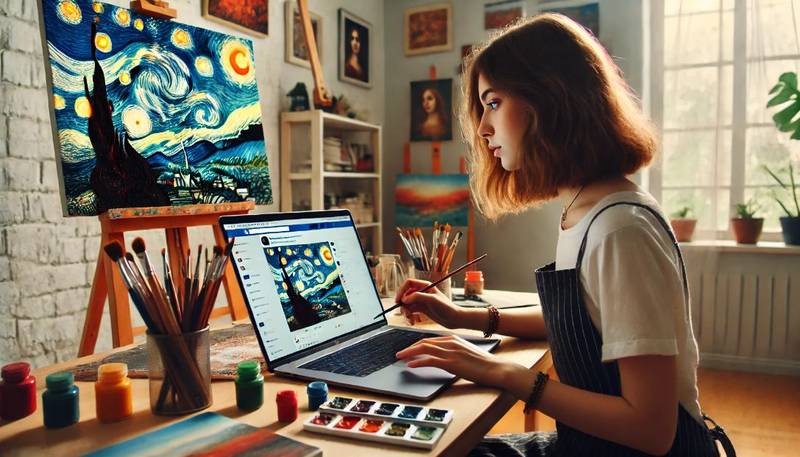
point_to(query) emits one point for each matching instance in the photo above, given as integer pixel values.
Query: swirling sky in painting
(186, 98)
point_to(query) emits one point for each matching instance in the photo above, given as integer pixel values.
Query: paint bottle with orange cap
(113, 393)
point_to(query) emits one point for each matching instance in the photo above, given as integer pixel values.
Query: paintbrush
(451, 250)
(214, 285)
(433, 284)
(168, 319)
(170, 285)
(114, 251)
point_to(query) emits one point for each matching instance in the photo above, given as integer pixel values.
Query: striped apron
(575, 347)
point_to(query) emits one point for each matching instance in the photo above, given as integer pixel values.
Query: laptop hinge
(329, 344)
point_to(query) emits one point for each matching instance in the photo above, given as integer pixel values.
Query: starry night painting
(150, 112)
(308, 282)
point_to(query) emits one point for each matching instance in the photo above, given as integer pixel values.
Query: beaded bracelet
(494, 321)
(536, 391)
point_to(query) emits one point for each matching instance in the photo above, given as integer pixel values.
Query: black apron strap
(717, 433)
(663, 223)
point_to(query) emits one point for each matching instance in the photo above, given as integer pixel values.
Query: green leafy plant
(682, 213)
(747, 210)
(791, 186)
(786, 92)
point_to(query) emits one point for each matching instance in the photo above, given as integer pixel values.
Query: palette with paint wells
(420, 415)
(370, 429)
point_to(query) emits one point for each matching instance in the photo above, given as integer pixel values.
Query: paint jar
(18, 391)
(434, 276)
(287, 405)
(249, 385)
(317, 394)
(113, 393)
(473, 283)
(61, 400)
(179, 372)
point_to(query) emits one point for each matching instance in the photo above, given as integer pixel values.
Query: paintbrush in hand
(433, 284)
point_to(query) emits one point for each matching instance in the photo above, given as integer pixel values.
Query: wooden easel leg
(94, 312)
(118, 305)
(232, 291)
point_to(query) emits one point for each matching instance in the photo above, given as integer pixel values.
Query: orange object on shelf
(113, 394)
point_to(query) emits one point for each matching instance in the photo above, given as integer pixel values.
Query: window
(713, 64)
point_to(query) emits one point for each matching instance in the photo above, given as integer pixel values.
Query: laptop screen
(305, 279)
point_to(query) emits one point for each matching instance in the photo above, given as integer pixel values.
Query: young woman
(548, 115)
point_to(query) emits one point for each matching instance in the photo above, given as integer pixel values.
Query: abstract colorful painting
(585, 15)
(209, 434)
(308, 282)
(500, 14)
(423, 199)
(149, 112)
(428, 28)
(249, 16)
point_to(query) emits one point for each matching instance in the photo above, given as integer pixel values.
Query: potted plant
(790, 224)
(785, 93)
(746, 228)
(682, 224)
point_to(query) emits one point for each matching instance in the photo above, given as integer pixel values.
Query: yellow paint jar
(113, 394)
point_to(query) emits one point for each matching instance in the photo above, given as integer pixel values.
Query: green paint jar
(249, 385)
(60, 401)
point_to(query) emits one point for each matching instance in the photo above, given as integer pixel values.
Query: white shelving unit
(304, 180)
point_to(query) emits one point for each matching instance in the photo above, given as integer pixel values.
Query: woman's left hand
(459, 357)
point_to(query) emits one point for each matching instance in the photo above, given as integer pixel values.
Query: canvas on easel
(178, 121)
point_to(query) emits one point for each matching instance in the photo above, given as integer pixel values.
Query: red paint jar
(287, 405)
(18, 390)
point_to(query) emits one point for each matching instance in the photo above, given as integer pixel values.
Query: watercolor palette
(420, 415)
(370, 429)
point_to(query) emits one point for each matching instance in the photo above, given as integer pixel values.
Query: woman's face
(428, 101)
(355, 42)
(504, 123)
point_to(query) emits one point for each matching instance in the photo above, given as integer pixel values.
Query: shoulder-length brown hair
(584, 121)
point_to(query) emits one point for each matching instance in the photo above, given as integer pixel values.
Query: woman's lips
(496, 151)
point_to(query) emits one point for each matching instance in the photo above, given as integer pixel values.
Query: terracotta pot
(747, 231)
(683, 228)
(791, 230)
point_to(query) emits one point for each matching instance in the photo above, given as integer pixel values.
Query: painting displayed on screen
(149, 112)
(585, 15)
(308, 282)
(423, 199)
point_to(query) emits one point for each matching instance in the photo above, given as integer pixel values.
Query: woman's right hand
(433, 303)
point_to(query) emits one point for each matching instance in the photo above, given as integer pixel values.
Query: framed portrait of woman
(354, 35)
(296, 50)
(431, 110)
(427, 29)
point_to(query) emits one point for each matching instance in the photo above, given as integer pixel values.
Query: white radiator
(746, 309)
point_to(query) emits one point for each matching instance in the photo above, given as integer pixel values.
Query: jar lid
(285, 395)
(248, 368)
(60, 380)
(112, 371)
(474, 275)
(16, 372)
(317, 388)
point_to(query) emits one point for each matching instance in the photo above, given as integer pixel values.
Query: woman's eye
(492, 105)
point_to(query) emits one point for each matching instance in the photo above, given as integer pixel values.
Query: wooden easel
(108, 281)
(436, 169)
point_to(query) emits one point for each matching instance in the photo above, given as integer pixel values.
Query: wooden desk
(476, 408)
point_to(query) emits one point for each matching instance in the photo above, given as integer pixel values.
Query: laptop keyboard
(368, 356)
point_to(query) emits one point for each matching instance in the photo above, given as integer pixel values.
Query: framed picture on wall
(431, 105)
(296, 51)
(586, 15)
(354, 36)
(428, 29)
(249, 16)
(500, 14)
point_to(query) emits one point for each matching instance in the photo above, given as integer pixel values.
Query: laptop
(313, 304)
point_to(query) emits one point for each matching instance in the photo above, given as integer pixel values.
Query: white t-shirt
(633, 287)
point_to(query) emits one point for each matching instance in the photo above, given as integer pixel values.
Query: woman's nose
(484, 129)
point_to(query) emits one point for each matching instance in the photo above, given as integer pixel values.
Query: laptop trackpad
(423, 374)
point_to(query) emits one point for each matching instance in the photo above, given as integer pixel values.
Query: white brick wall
(45, 259)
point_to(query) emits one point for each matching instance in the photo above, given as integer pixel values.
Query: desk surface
(476, 409)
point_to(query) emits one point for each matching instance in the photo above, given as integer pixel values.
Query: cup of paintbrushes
(179, 371)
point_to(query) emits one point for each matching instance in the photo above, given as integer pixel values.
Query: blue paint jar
(60, 401)
(317, 394)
